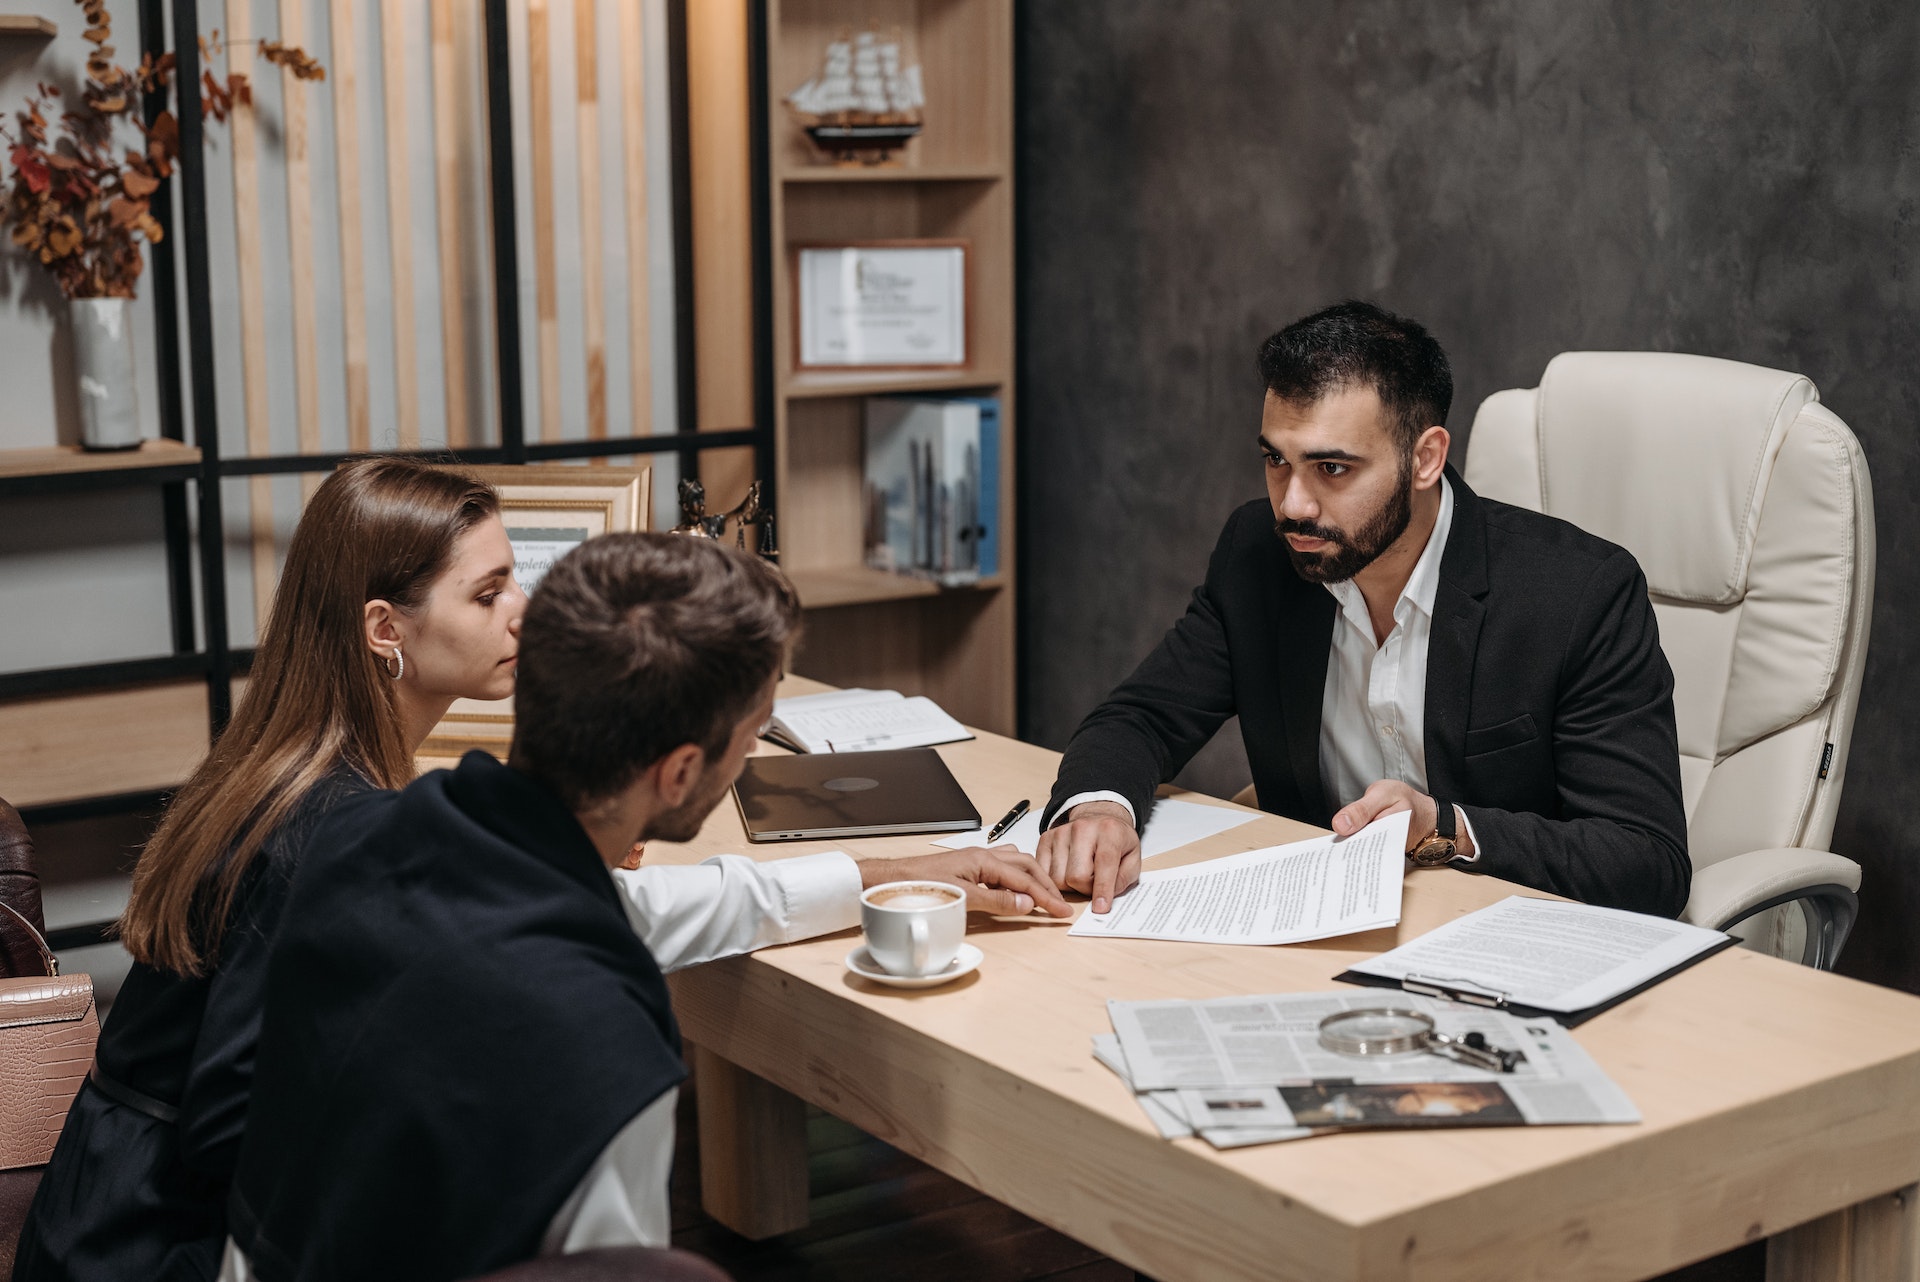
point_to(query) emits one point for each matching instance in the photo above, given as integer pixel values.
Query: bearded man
(1392, 641)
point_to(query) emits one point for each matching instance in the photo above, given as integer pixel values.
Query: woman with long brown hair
(397, 598)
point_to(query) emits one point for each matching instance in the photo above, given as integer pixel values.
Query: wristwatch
(1436, 848)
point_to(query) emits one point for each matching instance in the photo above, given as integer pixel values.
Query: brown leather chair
(613, 1264)
(20, 891)
(19, 956)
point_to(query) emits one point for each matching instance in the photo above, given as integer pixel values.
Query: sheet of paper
(1172, 824)
(1314, 889)
(1547, 954)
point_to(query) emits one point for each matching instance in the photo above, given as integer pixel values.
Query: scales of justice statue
(697, 522)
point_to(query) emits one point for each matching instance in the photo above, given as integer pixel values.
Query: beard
(683, 822)
(1351, 553)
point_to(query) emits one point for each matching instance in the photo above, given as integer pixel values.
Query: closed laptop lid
(851, 794)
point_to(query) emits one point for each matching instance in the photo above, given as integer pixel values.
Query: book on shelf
(933, 487)
(861, 721)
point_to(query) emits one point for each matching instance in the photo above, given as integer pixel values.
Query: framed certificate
(548, 510)
(891, 304)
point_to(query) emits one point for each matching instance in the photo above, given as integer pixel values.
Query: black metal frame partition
(216, 660)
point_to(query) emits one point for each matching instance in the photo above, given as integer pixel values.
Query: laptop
(851, 794)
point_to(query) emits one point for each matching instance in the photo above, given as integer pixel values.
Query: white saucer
(965, 962)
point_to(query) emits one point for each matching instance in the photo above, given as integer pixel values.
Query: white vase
(103, 367)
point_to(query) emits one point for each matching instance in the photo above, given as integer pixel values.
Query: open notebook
(861, 721)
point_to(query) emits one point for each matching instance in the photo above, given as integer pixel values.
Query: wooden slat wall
(721, 164)
(253, 307)
(546, 305)
(725, 252)
(306, 325)
(406, 361)
(448, 200)
(633, 133)
(586, 81)
(344, 74)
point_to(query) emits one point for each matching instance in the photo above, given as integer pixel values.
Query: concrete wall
(1526, 177)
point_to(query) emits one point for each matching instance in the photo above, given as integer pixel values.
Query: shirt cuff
(1079, 798)
(821, 892)
(1472, 836)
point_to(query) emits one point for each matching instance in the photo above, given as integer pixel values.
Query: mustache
(1310, 530)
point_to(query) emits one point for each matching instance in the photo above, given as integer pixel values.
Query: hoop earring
(396, 664)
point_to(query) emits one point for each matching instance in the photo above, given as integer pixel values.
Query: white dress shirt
(685, 915)
(1373, 710)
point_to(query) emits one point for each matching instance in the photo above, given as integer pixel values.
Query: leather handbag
(48, 1027)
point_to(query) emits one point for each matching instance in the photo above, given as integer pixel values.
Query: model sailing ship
(863, 105)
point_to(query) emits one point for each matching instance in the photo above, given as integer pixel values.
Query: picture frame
(868, 305)
(548, 510)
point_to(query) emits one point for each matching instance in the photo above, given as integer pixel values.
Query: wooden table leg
(753, 1149)
(1873, 1241)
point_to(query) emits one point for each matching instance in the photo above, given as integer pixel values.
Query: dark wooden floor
(879, 1214)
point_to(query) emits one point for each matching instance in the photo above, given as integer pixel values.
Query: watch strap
(1443, 819)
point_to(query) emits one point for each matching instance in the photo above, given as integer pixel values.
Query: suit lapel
(1459, 608)
(1303, 622)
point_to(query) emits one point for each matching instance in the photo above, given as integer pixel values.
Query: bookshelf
(866, 627)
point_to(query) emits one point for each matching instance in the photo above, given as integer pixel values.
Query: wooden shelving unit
(27, 24)
(64, 460)
(865, 627)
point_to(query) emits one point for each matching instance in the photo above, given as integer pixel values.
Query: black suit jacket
(1549, 714)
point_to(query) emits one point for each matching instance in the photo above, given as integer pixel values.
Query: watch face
(1432, 852)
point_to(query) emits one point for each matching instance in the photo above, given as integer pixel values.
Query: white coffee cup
(914, 928)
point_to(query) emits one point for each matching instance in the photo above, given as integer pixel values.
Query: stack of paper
(1251, 1070)
(1172, 824)
(1569, 960)
(861, 721)
(1313, 889)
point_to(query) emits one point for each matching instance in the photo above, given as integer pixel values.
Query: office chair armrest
(1735, 889)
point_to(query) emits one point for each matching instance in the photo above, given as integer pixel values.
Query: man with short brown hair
(469, 1055)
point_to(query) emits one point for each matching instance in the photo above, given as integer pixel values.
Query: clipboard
(1466, 990)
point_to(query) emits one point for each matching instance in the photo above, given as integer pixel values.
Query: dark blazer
(128, 1195)
(1549, 715)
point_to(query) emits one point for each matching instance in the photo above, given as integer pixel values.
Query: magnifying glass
(1394, 1030)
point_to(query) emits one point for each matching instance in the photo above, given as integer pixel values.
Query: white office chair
(1748, 505)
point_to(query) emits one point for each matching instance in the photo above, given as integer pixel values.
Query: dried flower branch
(74, 204)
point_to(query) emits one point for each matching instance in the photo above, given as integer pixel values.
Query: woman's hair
(317, 697)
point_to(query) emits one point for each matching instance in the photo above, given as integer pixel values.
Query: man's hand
(1001, 881)
(1096, 852)
(1384, 798)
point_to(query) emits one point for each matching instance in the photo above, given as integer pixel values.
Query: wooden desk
(1775, 1096)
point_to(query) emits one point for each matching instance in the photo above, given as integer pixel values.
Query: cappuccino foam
(915, 897)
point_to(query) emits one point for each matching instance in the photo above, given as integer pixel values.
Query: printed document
(861, 721)
(1172, 824)
(1313, 889)
(1547, 954)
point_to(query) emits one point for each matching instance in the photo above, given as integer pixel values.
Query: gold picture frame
(548, 509)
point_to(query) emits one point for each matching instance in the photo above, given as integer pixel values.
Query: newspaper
(1313, 889)
(1167, 1110)
(1245, 1070)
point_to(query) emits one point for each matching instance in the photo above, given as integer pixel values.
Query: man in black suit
(1390, 640)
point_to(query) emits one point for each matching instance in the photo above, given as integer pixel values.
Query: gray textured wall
(1526, 177)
